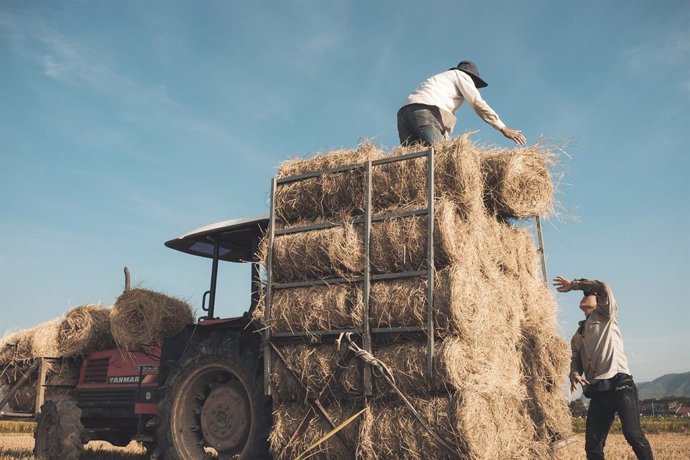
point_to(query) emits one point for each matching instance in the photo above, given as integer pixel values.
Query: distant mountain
(666, 385)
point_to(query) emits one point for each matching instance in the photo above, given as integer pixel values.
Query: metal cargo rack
(365, 333)
(40, 365)
(362, 335)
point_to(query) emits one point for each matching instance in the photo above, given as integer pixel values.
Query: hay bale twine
(517, 182)
(142, 317)
(85, 329)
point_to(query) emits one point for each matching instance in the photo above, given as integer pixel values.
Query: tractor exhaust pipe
(127, 279)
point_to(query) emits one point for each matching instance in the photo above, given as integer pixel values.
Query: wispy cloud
(91, 69)
(667, 55)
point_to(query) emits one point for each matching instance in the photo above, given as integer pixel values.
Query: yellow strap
(331, 433)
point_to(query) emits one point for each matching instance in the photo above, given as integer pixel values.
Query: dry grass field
(667, 446)
(20, 447)
(670, 439)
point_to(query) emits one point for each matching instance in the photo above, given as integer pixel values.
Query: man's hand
(514, 134)
(576, 378)
(562, 284)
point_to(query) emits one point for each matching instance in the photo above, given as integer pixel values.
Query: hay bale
(391, 431)
(327, 196)
(45, 340)
(143, 318)
(545, 361)
(517, 182)
(8, 347)
(64, 373)
(16, 346)
(475, 424)
(314, 308)
(286, 422)
(396, 245)
(317, 254)
(85, 329)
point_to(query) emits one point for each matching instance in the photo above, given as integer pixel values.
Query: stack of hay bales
(84, 329)
(498, 358)
(140, 318)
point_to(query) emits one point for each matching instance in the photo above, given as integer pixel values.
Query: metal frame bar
(269, 293)
(366, 334)
(541, 251)
(430, 265)
(380, 161)
(214, 281)
(356, 279)
(355, 330)
(357, 220)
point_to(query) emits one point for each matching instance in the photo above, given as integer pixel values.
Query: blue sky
(127, 123)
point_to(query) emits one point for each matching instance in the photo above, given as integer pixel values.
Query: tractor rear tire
(58, 429)
(214, 404)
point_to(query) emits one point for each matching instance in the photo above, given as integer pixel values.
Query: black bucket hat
(470, 69)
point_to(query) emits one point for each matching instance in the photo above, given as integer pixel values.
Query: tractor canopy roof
(237, 239)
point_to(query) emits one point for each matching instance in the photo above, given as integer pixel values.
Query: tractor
(200, 395)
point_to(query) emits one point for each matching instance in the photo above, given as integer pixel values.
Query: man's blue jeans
(420, 123)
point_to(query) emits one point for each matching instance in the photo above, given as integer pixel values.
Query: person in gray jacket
(598, 363)
(428, 113)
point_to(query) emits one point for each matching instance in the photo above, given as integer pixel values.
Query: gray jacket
(597, 346)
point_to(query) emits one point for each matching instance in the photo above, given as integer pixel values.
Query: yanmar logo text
(124, 379)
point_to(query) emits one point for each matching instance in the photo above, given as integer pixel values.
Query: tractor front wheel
(58, 430)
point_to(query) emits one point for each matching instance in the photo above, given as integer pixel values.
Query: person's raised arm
(472, 96)
(605, 301)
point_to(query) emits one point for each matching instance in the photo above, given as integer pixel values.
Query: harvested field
(666, 446)
(20, 447)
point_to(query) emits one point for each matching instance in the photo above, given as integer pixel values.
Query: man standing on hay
(598, 363)
(428, 114)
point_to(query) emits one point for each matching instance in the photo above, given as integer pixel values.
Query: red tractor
(201, 395)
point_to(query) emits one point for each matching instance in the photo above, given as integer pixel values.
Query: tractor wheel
(58, 429)
(214, 405)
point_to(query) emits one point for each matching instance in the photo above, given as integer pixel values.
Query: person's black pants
(602, 410)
